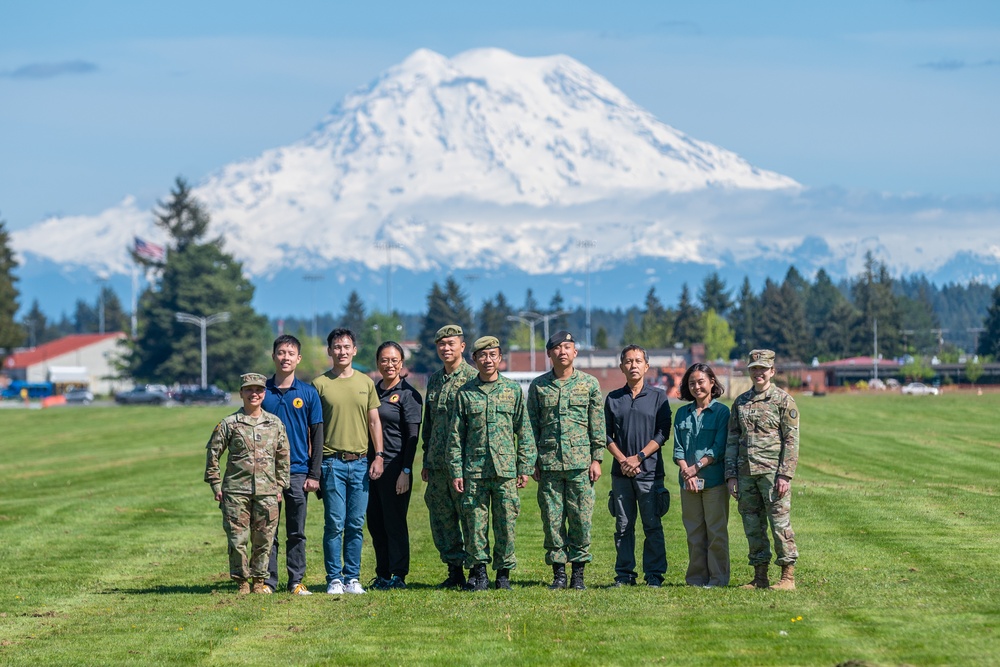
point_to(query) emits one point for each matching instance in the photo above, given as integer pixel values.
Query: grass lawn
(112, 552)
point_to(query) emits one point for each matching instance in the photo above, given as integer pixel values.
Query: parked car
(211, 394)
(919, 389)
(79, 395)
(147, 395)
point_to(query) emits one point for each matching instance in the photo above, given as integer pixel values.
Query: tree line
(800, 319)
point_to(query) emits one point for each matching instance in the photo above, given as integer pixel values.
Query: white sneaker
(353, 586)
(336, 587)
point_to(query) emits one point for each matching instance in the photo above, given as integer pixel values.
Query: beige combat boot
(242, 586)
(759, 578)
(260, 587)
(787, 581)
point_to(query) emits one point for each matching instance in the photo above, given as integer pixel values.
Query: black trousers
(387, 522)
(294, 502)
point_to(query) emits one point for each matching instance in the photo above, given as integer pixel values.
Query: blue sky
(99, 100)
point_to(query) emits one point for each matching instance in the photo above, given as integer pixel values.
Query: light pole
(587, 245)
(313, 278)
(388, 246)
(204, 323)
(530, 318)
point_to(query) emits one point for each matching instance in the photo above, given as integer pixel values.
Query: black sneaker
(379, 584)
(620, 583)
(396, 583)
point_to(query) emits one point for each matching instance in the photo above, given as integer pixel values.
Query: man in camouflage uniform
(491, 452)
(443, 502)
(567, 418)
(257, 472)
(762, 451)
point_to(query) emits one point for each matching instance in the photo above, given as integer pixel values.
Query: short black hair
(717, 388)
(633, 348)
(286, 339)
(341, 332)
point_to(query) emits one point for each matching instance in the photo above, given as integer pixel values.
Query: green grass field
(112, 552)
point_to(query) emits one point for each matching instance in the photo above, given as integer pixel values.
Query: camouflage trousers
(758, 506)
(479, 496)
(566, 498)
(444, 506)
(252, 519)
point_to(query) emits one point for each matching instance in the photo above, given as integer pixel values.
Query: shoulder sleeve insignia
(793, 413)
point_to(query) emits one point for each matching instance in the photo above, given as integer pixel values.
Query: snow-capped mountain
(492, 162)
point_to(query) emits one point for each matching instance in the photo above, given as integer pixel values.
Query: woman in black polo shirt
(389, 496)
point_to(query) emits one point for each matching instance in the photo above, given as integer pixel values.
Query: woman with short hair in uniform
(389, 496)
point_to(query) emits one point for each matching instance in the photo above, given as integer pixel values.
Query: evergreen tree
(493, 319)
(773, 328)
(873, 296)
(555, 305)
(743, 320)
(11, 334)
(718, 338)
(823, 297)
(601, 339)
(377, 329)
(200, 279)
(687, 326)
(657, 328)
(84, 318)
(842, 334)
(354, 315)
(35, 325)
(530, 302)
(714, 295)
(115, 317)
(798, 340)
(918, 321)
(631, 335)
(444, 306)
(989, 340)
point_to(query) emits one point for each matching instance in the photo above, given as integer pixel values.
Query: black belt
(345, 456)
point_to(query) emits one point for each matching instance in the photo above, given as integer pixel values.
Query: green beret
(485, 343)
(253, 380)
(447, 331)
(761, 359)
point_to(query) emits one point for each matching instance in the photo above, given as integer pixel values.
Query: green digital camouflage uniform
(443, 502)
(490, 445)
(257, 471)
(763, 443)
(567, 419)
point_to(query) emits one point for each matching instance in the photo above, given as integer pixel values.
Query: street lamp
(587, 245)
(388, 247)
(204, 323)
(532, 318)
(313, 278)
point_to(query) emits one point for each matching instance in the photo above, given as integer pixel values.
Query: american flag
(150, 251)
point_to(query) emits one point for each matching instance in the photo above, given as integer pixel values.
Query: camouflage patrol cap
(557, 339)
(447, 331)
(761, 359)
(253, 380)
(485, 343)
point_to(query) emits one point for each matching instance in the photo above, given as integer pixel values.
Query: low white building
(78, 359)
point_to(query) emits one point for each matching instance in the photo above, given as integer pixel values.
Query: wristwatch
(698, 466)
(406, 471)
(381, 455)
(641, 456)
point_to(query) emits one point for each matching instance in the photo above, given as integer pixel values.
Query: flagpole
(135, 288)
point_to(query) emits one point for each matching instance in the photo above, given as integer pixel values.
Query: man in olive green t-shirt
(350, 415)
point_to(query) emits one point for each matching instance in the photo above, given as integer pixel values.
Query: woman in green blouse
(700, 430)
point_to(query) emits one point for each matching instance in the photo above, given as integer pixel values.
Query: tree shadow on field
(197, 589)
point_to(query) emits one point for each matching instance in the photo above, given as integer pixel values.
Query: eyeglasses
(384, 361)
(491, 356)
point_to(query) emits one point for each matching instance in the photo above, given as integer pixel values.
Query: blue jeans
(345, 499)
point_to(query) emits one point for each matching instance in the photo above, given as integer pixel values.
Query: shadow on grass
(200, 589)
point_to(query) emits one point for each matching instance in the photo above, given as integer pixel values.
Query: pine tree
(687, 326)
(556, 305)
(354, 314)
(85, 319)
(115, 317)
(35, 325)
(714, 295)
(11, 334)
(657, 328)
(493, 319)
(444, 306)
(773, 328)
(601, 339)
(798, 340)
(631, 335)
(822, 298)
(873, 296)
(989, 340)
(744, 319)
(200, 279)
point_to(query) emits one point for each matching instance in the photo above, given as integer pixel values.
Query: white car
(919, 388)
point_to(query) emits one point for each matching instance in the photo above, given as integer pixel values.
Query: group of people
(353, 442)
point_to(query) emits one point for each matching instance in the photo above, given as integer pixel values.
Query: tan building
(79, 359)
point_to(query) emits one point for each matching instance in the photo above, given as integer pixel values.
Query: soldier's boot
(759, 578)
(260, 587)
(242, 586)
(787, 581)
(478, 579)
(503, 579)
(456, 577)
(558, 576)
(576, 577)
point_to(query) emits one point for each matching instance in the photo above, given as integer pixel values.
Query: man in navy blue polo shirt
(298, 407)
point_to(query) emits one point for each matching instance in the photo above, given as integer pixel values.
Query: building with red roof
(78, 359)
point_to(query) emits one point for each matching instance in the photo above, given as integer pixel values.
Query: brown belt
(345, 456)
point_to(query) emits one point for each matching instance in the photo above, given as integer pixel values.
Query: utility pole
(313, 278)
(975, 331)
(875, 343)
(388, 247)
(204, 323)
(587, 245)
(940, 333)
(530, 318)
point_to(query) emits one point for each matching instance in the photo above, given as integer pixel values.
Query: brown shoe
(260, 587)
(759, 578)
(243, 586)
(787, 581)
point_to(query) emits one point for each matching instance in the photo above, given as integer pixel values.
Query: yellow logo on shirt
(394, 398)
(298, 403)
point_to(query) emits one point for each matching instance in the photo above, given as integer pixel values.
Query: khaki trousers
(706, 519)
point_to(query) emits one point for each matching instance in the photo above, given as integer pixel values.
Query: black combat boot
(503, 579)
(456, 577)
(558, 576)
(478, 579)
(576, 578)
